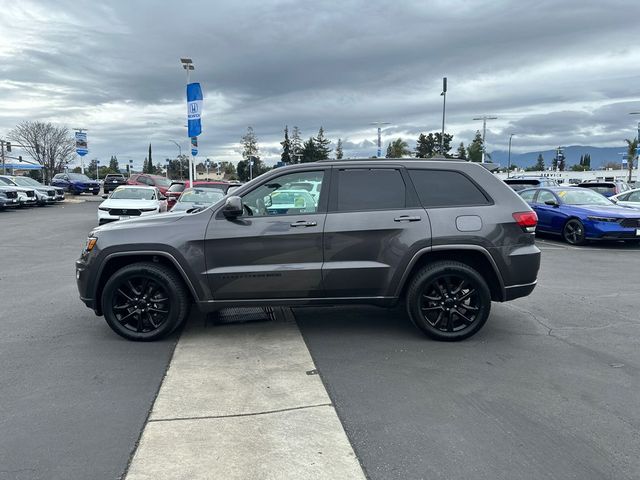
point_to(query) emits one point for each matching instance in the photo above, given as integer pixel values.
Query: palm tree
(632, 148)
(398, 149)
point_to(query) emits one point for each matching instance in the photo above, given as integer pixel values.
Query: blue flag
(194, 109)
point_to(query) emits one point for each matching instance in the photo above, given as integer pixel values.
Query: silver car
(630, 198)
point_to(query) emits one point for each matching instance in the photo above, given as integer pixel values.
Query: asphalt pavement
(74, 397)
(548, 389)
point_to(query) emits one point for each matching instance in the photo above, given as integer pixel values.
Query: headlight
(148, 209)
(603, 219)
(91, 242)
(104, 209)
(22, 195)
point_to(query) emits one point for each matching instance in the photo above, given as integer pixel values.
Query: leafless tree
(49, 145)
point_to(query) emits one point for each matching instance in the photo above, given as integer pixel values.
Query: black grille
(12, 194)
(51, 193)
(30, 193)
(630, 223)
(128, 212)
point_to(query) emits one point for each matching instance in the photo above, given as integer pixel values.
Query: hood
(613, 211)
(126, 203)
(141, 222)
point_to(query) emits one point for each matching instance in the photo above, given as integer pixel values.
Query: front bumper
(610, 231)
(9, 202)
(86, 188)
(106, 217)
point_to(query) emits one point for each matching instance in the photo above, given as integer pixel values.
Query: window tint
(528, 195)
(370, 189)
(280, 197)
(442, 188)
(545, 196)
(145, 180)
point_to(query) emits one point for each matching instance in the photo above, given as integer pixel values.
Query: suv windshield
(176, 187)
(163, 182)
(115, 175)
(583, 197)
(78, 177)
(133, 194)
(603, 188)
(201, 195)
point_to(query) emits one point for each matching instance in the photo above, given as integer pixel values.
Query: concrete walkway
(243, 402)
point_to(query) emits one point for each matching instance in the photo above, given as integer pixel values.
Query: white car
(630, 198)
(129, 201)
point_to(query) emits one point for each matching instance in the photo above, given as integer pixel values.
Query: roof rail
(382, 159)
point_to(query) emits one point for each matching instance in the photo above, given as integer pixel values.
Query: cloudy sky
(557, 73)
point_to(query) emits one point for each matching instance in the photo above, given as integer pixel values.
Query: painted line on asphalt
(243, 401)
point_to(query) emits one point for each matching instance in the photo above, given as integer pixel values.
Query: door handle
(304, 223)
(407, 218)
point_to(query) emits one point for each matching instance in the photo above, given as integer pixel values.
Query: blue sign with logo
(81, 143)
(194, 109)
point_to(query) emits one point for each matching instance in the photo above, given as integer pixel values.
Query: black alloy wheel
(449, 301)
(573, 232)
(145, 301)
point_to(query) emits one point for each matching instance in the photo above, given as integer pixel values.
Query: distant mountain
(599, 156)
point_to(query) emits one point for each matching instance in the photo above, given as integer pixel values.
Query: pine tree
(145, 166)
(296, 144)
(250, 148)
(339, 153)
(462, 152)
(423, 149)
(475, 149)
(322, 145)
(447, 144)
(581, 161)
(587, 161)
(150, 168)
(113, 164)
(539, 166)
(285, 157)
(309, 151)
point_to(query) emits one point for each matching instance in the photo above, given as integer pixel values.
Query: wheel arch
(116, 261)
(474, 256)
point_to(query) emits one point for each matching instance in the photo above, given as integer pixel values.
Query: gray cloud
(559, 73)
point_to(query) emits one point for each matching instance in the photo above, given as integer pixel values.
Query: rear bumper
(516, 291)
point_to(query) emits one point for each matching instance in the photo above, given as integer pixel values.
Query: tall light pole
(379, 124)
(484, 119)
(444, 107)
(509, 161)
(637, 153)
(187, 64)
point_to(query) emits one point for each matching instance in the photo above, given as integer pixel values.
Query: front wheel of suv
(448, 301)
(145, 301)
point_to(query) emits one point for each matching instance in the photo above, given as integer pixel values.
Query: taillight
(527, 220)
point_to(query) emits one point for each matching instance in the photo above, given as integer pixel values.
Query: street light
(444, 106)
(380, 135)
(484, 119)
(509, 161)
(187, 64)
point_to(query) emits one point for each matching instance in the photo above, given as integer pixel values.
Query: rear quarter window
(445, 188)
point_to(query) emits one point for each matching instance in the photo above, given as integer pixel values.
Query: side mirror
(552, 203)
(614, 200)
(162, 197)
(232, 207)
(105, 196)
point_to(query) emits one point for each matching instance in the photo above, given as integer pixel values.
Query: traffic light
(8, 146)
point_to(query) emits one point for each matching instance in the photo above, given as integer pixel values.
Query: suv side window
(280, 197)
(446, 188)
(370, 189)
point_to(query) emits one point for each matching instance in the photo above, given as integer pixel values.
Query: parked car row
(21, 192)
(140, 199)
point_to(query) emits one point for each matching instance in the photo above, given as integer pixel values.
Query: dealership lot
(548, 389)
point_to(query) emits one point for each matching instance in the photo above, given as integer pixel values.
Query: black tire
(145, 302)
(448, 301)
(95, 193)
(573, 232)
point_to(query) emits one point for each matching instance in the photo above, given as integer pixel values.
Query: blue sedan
(580, 214)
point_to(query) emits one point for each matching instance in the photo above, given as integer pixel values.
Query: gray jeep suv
(447, 237)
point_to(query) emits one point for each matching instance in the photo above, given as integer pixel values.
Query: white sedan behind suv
(130, 201)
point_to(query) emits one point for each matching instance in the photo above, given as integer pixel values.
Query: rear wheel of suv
(448, 301)
(145, 301)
